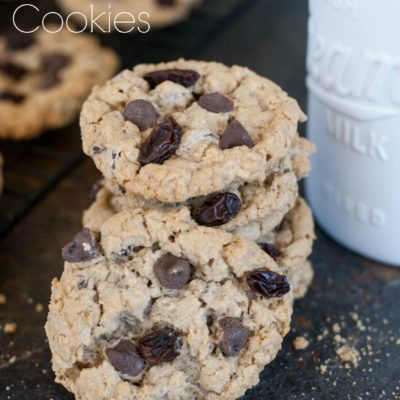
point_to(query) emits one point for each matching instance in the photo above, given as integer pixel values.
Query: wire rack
(32, 169)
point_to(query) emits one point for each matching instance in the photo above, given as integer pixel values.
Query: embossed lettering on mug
(357, 209)
(354, 135)
(345, 74)
(348, 8)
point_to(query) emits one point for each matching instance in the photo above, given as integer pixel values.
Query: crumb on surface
(10, 327)
(348, 354)
(300, 343)
(3, 299)
(39, 308)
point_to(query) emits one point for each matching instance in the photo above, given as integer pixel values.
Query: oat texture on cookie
(152, 305)
(199, 128)
(45, 77)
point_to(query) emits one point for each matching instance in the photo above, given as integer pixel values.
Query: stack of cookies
(181, 284)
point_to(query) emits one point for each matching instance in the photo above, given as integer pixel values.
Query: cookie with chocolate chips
(250, 210)
(169, 307)
(156, 13)
(45, 77)
(175, 131)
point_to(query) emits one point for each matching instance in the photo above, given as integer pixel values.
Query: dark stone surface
(271, 39)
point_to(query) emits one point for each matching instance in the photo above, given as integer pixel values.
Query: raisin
(160, 346)
(184, 77)
(162, 143)
(268, 283)
(217, 209)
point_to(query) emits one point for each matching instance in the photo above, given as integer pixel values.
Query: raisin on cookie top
(157, 306)
(237, 209)
(182, 129)
(45, 77)
(159, 13)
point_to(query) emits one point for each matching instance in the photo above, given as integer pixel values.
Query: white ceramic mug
(353, 65)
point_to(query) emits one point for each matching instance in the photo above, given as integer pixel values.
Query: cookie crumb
(3, 299)
(12, 360)
(39, 308)
(348, 354)
(300, 343)
(323, 369)
(10, 327)
(336, 328)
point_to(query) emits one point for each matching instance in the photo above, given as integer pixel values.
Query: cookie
(159, 308)
(147, 14)
(45, 77)
(177, 130)
(238, 209)
(284, 221)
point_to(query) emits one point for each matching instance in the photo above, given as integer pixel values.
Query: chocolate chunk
(17, 40)
(162, 143)
(94, 191)
(14, 71)
(216, 103)
(217, 209)
(172, 272)
(12, 97)
(268, 283)
(270, 249)
(125, 358)
(55, 61)
(234, 336)
(235, 135)
(52, 64)
(184, 77)
(82, 248)
(49, 80)
(161, 346)
(142, 113)
(167, 3)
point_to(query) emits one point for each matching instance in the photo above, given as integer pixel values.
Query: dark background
(47, 185)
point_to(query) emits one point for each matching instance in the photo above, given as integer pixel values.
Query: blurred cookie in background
(45, 77)
(126, 16)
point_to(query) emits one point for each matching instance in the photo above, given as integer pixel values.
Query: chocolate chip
(97, 150)
(184, 77)
(162, 143)
(235, 135)
(125, 358)
(52, 64)
(268, 283)
(94, 191)
(161, 346)
(12, 97)
(82, 248)
(14, 71)
(49, 80)
(17, 40)
(216, 103)
(217, 209)
(142, 113)
(55, 61)
(167, 3)
(172, 272)
(234, 336)
(270, 249)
